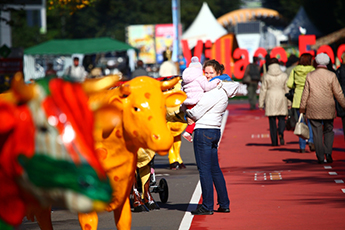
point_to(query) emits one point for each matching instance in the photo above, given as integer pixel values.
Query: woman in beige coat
(272, 97)
(317, 102)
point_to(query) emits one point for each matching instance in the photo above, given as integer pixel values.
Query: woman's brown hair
(305, 59)
(219, 68)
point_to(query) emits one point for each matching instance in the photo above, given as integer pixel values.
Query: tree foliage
(287, 8)
(100, 18)
(327, 17)
(70, 5)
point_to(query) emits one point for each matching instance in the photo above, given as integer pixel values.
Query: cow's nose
(161, 141)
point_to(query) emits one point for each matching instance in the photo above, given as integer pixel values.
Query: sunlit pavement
(276, 187)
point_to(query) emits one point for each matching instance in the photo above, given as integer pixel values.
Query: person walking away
(139, 70)
(194, 84)
(296, 81)
(341, 78)
(207, 114)
(76, 72)
(272, 98)
(168, 67)
(253, 70)
(318, 104)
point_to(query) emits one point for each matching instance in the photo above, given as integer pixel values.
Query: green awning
(78, 46)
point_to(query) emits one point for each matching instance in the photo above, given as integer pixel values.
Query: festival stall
(61, 51)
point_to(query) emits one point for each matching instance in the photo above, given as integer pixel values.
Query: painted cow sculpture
(176, 124)
(47, 154)
(144, 125)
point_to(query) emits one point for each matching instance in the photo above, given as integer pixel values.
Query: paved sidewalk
(276, 187)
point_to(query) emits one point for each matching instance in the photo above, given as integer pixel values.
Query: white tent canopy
(204, 27)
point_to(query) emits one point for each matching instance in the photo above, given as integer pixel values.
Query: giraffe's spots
(147, 95)
(102, 153)
(87, 227)
(118, 134)
(150, 117)
(116, 178)
(135, 133)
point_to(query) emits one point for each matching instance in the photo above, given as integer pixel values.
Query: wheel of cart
(162, 187)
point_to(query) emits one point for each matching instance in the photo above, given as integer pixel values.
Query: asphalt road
(181, 185)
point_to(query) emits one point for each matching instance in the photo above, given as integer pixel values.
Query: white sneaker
(188, 137)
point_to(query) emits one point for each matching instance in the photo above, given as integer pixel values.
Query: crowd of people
(83, 68)
(317, 89)
(78, 72)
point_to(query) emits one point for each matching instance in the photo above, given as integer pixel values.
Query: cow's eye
(84, 183)
(43, 129)
(136, 109)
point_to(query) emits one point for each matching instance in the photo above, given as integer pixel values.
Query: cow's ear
(106, 118)
(175, 98)
(96, 85)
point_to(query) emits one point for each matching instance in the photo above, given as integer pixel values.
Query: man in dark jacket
(253, 70)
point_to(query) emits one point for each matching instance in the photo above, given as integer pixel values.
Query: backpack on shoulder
(254, 72)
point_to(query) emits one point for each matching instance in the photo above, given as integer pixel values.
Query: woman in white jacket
(272, 98)
(208, 114)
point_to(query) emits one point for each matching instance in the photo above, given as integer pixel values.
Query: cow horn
(25, 92)
(94, 85)
(125, 90)
(165, 85)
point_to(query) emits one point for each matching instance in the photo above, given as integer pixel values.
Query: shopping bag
(301, 129)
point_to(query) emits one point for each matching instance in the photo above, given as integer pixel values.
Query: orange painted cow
(144, 125)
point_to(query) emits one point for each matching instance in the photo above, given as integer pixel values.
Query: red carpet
(276, 187)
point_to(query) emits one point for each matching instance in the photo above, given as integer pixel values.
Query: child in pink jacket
(194, 84)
